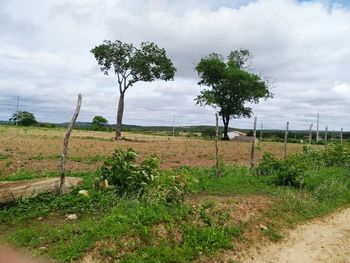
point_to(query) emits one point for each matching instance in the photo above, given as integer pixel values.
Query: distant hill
(272, 134)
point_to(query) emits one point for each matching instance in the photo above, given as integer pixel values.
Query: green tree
(231, 85)
(130, 64)
(24, 118)
(209, 132)
(98, 123)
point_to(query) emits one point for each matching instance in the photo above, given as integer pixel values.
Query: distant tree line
(99, 123)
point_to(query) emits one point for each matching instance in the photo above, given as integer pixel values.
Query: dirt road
(322, 240)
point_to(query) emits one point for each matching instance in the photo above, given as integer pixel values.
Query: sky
(303, 47)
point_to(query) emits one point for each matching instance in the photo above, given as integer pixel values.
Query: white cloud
(304, 47)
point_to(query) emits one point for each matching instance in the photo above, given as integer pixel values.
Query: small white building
(234, 134)
(240, 137)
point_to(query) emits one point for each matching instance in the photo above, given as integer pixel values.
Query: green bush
(337, 155)
(129, 178)
(294, 170)
(288, 172)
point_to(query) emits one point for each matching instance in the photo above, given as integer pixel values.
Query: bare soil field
(38, 149)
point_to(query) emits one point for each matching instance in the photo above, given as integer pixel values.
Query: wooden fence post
(310, 133)
(325, 137)
(332, 138)
(65, 144)
(252, 149)
(341, 136)
(317, 127)
(286, 140)
(216, 144)
(174, 126)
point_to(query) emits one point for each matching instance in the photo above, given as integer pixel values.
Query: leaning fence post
(341, 136)
(310, 133)
(65, 144)
(252, 149)
(286, 140)
(325, 137)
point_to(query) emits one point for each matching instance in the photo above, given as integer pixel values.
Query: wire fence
(46, 110)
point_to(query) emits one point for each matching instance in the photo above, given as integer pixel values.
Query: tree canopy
(98, 123)
(130, 64)
(24, 118)
(231, 85)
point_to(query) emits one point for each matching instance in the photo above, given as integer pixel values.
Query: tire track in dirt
(324, 240)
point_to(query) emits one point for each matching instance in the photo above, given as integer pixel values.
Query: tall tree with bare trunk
(146, 63)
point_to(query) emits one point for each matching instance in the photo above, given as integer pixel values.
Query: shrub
(169, 190)
(129, 178)
(209, 132)
(337, 155)
(288, 172)
(294, 170)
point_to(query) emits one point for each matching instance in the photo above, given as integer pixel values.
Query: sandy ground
(322, 240)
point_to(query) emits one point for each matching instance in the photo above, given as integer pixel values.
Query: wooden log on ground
(16, 190)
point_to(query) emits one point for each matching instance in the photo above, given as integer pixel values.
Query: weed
(273, 234)
(75, 158)
(128, 177)
(94, 159)
(4, 156)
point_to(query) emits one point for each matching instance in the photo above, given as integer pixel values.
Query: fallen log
(16, 190)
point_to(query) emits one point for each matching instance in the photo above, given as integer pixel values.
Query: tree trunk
(118, 131)
(226, 121)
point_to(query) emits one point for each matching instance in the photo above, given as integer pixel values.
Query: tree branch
(120, 83)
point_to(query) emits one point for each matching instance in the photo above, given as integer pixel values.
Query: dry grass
(38, 149)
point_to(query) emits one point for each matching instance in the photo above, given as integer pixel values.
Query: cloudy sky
(304, 46)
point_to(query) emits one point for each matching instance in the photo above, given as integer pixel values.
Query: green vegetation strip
(151, 228)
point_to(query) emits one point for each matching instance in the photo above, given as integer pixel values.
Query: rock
(84, 193)
(71, 217)
(105, 184)
(13, 191)
(263, 227)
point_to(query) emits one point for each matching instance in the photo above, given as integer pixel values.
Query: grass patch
(41, 157)
(273, 234)
(4, 156)
(94, 159)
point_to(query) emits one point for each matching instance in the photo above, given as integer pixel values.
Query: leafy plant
(129, 178)
(294, 170)
(337, 155)
(170, 190)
